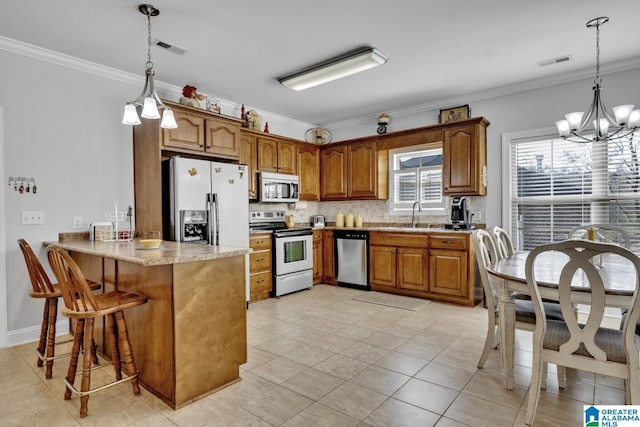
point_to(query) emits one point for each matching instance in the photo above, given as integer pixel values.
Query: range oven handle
(293, 233)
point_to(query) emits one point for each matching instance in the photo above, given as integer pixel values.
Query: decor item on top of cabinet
(190, 97)
(454, 114)
(252, 120)
(317, 136)
(383, 121)
(266, 127)
(213, 107)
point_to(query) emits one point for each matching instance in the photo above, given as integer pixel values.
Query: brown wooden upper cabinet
(203, 135)
(276, 156)
(464, 167)
(309, 172)
(353, 171)
(248, 156)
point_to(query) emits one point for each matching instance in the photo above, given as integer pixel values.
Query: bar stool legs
(120, 348)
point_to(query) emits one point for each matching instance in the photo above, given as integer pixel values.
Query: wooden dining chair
(604, 233)
(486, 253)
(84, 306)
(43, 288)
(583, 346)
(504, 244)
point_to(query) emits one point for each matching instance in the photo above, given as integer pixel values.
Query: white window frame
(428, 209)
(508, 142)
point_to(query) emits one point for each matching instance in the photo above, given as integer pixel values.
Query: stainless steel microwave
(278, 187)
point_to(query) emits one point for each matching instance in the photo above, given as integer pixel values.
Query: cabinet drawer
(260, 242)
(260, 261)
(448, 242)
(399, 239)
(260, 282)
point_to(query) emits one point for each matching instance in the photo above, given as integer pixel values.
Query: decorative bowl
(150, 243)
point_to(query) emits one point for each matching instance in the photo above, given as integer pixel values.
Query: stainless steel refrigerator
(206, 202)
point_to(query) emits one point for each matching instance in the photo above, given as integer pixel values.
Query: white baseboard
(32, 334)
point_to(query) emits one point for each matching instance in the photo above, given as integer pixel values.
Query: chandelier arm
(140, 99)
(152, 91)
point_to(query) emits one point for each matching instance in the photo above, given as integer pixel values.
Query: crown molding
(167, 90)
(437, 104)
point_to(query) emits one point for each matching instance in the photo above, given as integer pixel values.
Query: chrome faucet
(414, 221)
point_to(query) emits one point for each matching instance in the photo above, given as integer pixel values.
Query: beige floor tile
(479, 412)
(608, 395)
(426, 395)
(278, 405)
(257, 357)
(341, 366)
(257, 336)
(490, 388)
(279, 370)
(394, 413)
(279, 345)
(32, 395)
(308, 355)
(354, 332)
(353, 400)
(385, 340)
(457, 358)
(445, 375)
(334, 343)
(558, 410)
(319, 415)
(364, 352)
(380, 379)
(448, 422)
(420, 349)
(305, 335)
(312, 383)
(250, 387)
(402, 363)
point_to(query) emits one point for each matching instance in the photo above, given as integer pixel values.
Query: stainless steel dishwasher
(352, 258)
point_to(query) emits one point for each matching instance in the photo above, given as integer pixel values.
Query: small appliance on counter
(459, 215)
(317, 221)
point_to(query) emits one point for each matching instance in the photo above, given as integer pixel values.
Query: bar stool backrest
(41, 286)
(75, 290)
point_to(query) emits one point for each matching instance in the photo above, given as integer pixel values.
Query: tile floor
(319, 358)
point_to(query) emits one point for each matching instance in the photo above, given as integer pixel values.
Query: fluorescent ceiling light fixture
(336, 68)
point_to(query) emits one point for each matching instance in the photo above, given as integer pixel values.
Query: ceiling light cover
(336, 68)
(148, 98)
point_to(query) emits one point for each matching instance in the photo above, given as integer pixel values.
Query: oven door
(293, 252)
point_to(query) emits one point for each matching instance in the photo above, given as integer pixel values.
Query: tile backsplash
(372, 211)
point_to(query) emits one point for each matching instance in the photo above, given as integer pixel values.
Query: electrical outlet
(477, 216)
(77, 222)
(31, 217)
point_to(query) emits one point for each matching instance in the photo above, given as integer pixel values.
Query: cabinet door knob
(259, 259)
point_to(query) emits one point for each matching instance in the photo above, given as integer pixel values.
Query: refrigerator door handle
(214, 231)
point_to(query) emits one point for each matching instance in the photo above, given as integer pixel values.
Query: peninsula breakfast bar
(191, 337)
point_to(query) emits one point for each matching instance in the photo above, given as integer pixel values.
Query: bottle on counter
(348, 220)
(339, 219)
(358, 220)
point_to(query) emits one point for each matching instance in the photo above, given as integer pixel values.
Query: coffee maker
(459, 215)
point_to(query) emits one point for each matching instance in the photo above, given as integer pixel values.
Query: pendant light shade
(577, 126)
(148, 99)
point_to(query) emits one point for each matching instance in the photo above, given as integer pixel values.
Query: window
(415, 174)
(556, 185)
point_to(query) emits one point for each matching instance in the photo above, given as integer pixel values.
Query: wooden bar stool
(84, 306)
(41, 287)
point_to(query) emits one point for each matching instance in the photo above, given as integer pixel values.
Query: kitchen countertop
(168, 253)
(398, 229)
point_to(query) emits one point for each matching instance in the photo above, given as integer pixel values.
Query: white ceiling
(440, 51)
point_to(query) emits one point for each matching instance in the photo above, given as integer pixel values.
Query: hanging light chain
(149, 64)
(597, 51)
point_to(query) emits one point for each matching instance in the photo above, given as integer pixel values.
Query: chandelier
(148, 99)
(597, 124)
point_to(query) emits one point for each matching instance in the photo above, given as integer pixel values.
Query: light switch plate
(31, 217)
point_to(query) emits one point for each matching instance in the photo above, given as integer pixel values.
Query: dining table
(508, 276)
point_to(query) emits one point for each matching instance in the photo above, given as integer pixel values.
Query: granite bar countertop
(168, 253)
(398, 229)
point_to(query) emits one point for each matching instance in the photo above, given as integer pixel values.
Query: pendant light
(148, 99)
(597, 124)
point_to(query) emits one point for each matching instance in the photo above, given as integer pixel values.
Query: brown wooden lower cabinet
(317, 257)
(328, 258)
(191, 337)
(260, 275)
(440, 267)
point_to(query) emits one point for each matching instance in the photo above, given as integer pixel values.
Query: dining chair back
(504, 244)
(585, 346)
(486, 254)
(604, 233)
